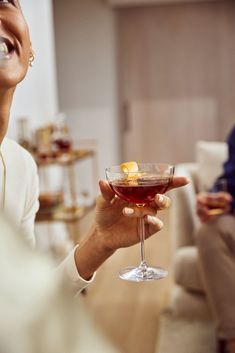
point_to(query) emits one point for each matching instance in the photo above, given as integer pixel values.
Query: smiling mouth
(6, 48)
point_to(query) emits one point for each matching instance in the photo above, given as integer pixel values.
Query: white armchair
(188, 298)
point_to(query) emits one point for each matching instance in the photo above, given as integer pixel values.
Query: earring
(31, 59)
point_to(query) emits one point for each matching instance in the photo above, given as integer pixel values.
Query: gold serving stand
(52, 208)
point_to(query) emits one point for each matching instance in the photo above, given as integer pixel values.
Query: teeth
(3, 49)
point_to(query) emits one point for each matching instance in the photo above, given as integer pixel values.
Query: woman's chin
(10, 79)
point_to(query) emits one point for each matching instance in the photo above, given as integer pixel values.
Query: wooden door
(167, 130)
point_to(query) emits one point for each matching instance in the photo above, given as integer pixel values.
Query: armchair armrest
(183, 218)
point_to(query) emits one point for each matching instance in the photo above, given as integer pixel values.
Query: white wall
(36, 96)
(86, 57)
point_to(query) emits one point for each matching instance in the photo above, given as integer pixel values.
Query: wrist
(91, 254)
(101, 242)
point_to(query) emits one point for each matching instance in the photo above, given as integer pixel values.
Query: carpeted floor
(179, 335)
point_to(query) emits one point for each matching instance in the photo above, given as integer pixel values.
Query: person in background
(115, 221)
(216, 244)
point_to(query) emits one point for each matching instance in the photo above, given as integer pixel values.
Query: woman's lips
(6, 48)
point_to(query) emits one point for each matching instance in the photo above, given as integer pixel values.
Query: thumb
(178, 181)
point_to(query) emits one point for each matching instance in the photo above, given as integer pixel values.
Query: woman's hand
(116, 219)
(210, 205)
(115, 226)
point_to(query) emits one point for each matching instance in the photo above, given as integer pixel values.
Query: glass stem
(141, 229)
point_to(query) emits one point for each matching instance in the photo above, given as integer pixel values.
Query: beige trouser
(216, 244)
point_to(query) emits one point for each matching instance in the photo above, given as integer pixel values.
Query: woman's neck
(6, 97)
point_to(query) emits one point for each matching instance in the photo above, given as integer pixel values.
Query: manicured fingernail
(128, 211)
(152, 219)
(155, 221)
(160, 198)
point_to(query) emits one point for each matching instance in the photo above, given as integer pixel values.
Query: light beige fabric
(38, 314)
(22, 188)
(189, 304)
(210, 157)
(216, 244)
(186, 272)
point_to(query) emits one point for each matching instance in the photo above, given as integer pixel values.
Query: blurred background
(123, 71)
(140, 80)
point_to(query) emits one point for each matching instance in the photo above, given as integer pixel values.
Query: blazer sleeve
(31, 202)
(229, 169)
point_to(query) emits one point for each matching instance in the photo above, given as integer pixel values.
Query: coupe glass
(140, 188)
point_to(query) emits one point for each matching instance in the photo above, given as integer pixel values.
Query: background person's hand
(210, 205)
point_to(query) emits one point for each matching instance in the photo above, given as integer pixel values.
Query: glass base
(139, 274)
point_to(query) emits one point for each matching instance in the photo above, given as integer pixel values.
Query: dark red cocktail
(141, 190)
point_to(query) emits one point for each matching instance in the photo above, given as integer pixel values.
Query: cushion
(186, 269)
(186, 304)
(210, 157)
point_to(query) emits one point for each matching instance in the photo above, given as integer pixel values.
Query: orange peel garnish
(131, 170)
(129, 167)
